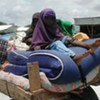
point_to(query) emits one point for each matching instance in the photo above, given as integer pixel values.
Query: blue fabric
(18, 57)
(52, 67)
(91, 62)
(91, 40)
(78, 50)
(16, 69)
(60, 47)
(64, 40)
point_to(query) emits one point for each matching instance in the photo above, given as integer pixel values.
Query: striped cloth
(3, 50)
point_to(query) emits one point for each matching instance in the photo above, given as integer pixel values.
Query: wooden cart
(35, 93)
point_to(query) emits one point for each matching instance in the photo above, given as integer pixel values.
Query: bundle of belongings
(9, 33)
(58, 72)
(10, 40)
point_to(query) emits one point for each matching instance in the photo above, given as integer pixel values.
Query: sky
(20, 11)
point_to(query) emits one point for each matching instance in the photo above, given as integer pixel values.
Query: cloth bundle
(18, 80)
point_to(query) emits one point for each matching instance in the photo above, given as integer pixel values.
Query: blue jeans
(59, 46)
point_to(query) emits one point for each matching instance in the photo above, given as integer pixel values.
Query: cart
(36, 92)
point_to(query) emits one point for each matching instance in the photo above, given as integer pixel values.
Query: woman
(67, 27)
(47, 34)
(29, 32)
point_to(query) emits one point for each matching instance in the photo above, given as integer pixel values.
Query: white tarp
(7, 28)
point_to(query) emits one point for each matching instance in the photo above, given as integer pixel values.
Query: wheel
(87, 94)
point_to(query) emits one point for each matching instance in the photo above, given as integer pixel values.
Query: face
(34, 21)
(49, 20)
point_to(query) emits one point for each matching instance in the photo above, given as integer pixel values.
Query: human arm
(75, 42)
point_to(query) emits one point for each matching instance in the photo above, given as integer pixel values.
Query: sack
(57, 66)
(16, 69)
(81, 36)
(61, 69)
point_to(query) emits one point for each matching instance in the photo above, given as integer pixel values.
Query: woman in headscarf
(47, 34)
(27, 39)
(67, 27)
(46, 30)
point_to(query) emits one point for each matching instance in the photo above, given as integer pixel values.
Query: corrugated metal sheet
(87, 21)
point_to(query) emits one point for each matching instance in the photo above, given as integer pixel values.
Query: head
(48, 17)
(45, 31)
(35, 18)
